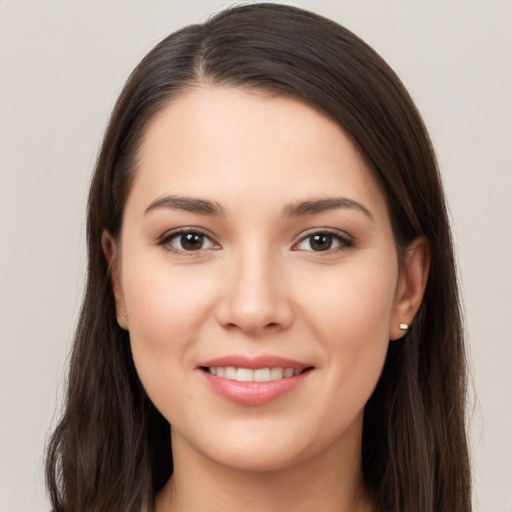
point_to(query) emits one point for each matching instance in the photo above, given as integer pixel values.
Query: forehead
(229, 143)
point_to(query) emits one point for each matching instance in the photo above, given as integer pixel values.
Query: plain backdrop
(62, 64)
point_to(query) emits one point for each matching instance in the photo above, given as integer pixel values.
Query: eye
(323, 241)
(187, 241)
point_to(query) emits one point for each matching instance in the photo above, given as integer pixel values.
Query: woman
(271, 315)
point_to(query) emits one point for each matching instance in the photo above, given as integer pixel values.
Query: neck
(331, 481)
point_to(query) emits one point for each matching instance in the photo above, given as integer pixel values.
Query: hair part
(111, 449)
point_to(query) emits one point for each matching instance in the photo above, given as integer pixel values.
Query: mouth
(254, 381)
(254, 375)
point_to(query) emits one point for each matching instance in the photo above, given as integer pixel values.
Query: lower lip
(254, 393)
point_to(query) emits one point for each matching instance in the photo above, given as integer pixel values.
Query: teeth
(261, 375)
(244, 375)
(276, 373)
(248, 375)
(230, 373)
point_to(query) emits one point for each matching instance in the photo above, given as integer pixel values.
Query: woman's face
(258, 278)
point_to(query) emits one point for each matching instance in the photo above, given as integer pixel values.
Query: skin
(257, 287)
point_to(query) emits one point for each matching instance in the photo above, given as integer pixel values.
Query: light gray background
(62, 64)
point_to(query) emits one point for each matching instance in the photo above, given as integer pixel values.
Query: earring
(403, 327)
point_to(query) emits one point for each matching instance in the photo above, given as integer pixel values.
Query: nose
(254, 297)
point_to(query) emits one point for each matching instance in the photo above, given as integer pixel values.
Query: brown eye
(191, 241)
(322, 242)
(187, 241)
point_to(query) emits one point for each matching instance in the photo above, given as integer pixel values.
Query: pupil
(321, 242)
(192, 241)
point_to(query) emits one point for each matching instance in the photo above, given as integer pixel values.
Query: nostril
(253, 313)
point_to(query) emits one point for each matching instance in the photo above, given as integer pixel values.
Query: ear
(412, 281)
(111, 252)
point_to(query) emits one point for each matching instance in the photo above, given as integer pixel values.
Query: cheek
(166, 312)
(351, 307)
(351, 321)
(162, 303)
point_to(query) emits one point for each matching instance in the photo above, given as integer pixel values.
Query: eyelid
(164, 240)
(346, 241)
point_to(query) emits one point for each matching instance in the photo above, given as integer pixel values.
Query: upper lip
(253, 363)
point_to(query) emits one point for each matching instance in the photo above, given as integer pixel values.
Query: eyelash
(165, 241)
(344, 243)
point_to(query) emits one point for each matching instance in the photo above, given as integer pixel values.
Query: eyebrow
(296, 209)
(187, 204)
(321, 205)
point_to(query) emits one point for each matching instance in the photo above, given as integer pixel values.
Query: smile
(250, 375)
(254, 381)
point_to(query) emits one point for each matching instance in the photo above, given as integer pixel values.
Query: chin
(257, 458)
(262, 446)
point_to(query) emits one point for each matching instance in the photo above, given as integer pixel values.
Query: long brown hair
(111, 450)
